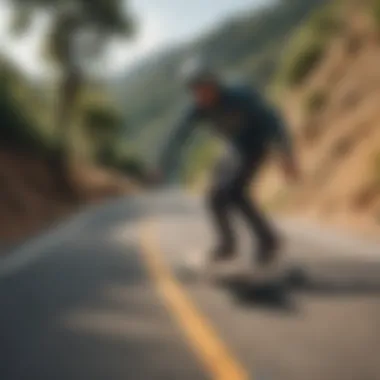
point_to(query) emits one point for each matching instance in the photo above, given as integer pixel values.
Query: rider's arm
(284, 143)
(282, 138)
(169, 159)
(269, 119)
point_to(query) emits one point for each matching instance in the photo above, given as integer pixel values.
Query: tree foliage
(18, 126)
(97, 20)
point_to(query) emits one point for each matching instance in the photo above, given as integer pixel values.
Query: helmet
(195, 71)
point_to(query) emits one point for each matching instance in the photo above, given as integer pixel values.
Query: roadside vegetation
(65, 120)
(308, 44)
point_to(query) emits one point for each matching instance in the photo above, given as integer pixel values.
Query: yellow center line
(211, 351)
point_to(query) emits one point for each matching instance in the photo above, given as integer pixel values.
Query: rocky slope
(335, 116)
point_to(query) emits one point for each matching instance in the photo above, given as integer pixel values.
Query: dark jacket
(242, 118)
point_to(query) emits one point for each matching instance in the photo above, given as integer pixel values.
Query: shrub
(128, 164)
(19, 128)
(307, 46)
(100, 118)
(327, 20)
(134, 168)
(315, 101)
(376, 12)
(302, 61)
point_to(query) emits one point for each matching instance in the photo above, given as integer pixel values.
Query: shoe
(223, 253)
(269, 252)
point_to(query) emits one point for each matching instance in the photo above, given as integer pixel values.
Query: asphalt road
(104, 296)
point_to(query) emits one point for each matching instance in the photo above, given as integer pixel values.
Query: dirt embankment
(31, 198)
(335, 114)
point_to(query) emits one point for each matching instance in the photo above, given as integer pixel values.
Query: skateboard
(198, 268)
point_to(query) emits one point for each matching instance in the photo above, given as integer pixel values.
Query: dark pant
(229, 192)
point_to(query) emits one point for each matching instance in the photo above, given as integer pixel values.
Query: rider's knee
(218, 198)
(237, 193)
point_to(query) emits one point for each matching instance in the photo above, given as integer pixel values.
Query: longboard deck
(196, 267)
(233, 273)
(254, 277)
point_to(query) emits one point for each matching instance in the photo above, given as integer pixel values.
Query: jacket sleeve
(282, 136)
(169, 158)
(270, 118)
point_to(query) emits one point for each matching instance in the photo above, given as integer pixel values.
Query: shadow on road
(334, 279)
(271, 296)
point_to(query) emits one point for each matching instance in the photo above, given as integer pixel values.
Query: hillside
(320, 64)
(335, 116)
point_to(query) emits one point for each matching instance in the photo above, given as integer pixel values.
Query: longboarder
(250, 128)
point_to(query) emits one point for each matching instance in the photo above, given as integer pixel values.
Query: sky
(161, 23)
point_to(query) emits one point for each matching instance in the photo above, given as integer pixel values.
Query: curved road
(104, 296)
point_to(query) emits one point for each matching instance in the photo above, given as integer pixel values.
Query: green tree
(97, 21)
(103, 125)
